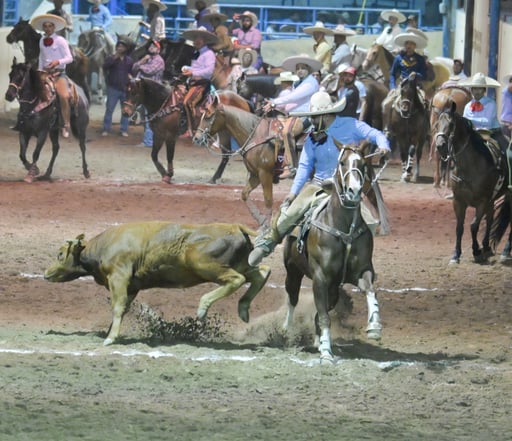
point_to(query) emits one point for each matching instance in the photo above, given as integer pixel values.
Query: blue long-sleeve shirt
(403, 66)
(101, 19)
(487, 118)
(323, 158)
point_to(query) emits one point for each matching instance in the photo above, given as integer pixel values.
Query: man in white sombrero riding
(318, 161)
(199, 73)
(156, 25)
(341, 50)
(54, 55)
(321, 47)
(387, 37)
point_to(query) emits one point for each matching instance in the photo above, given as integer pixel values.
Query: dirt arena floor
(442, 371)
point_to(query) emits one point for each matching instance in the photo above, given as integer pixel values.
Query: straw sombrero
(318, 27)
(321, 104)
(342, 30)
(420, 42)
(286, 76)
(251, 52)
(393, 13)
(215, 15)
(251, 15)
(59, 22)
(209, 38)
(146, 3)
(291, 62)
(480, 80)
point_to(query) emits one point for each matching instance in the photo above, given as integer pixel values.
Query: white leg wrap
(288, 321)
(325, 345)
(374, 328)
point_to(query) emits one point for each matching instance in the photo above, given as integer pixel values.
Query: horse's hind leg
(374, 328)
(54, 138)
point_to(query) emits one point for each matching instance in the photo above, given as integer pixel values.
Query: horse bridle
(341, 188)
(448, 139)
(18, 87)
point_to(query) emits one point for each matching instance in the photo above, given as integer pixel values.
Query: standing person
(340, 50)
(200, 73)
(321, 48)
(100, 18)
(482, 110)
(506, 106)
(54, 55)
(387, 37)
(117, 68)
(150, 66)
(61, 12)
(248, 36)
(156, 25)
(318, 162)
(225, 45)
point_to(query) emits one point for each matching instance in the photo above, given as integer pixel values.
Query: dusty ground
(442, 370)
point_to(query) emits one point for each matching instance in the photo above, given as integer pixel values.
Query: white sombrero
(480, 80)
(342, 30)
(161, 6)
(318, 27)
(209, 38)
(290, 63)
(418, 32)
(251, 15)
(286, 76)
(420, 42)
(393, 13)
(321, 104)
(59, 22)
(215, 15)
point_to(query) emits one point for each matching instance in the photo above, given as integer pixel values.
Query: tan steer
(136, 256)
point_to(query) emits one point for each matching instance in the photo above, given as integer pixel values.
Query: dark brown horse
(97, 48)
(406, 117)
(479, 177)
(440, 102)
(39, 116)
(77, 70)
(337, 250)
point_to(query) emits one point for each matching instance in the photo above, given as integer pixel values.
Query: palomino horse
(77, 70)
(407, 120)
(97, 48)
(338, 249)
(440, 102)
(259, 144)
(39, 115)
(164, 105)
(479, 177)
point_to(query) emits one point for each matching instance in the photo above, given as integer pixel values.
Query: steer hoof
(201, 313)
(243, 312)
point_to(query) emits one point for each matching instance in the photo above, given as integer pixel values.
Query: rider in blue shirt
(319, 156)
(408, 60)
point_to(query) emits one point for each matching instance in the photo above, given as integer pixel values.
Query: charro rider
(387, 37)
(54, 55)
(319, 159)
(321, 48)
(200, 72)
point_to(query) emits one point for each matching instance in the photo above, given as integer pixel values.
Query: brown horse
(441, 102)
(337, 250)
(77, 70)
(258, 147)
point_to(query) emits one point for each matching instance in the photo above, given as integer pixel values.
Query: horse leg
(266, 179)
(374, 328)
(460, 215)
(24, 140)
(54, 137)
(33, 169)
(100, 84)
(225, 146)
(293, 280)
(322, 294)
(486, 251)
(170, 143)
(251, 184)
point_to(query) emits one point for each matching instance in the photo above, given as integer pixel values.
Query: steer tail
(501, 220)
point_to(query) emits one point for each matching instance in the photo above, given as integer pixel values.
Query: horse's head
(444, 131)
(408, 95)
(350, 172)
(210, 122)
(358, 56)
(18, 32)
(19, 77)
(133, 97)
(371, 56)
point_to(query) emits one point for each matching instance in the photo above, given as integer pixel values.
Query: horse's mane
(37, 81)
(157, 90)
(245, 119)
(474, 137)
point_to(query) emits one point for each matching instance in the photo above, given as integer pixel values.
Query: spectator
(321, 48)
(248, 58)
(247, 35)
(458, 66)
(156, 25)
(202, 10)
(61, 12)
(54, 55)
(387, 37)
(150, 66)
(224, 46)
(353, 90)
(100, 19)
(117, 69)
(200, 73)
(506, 106)
(341, 50)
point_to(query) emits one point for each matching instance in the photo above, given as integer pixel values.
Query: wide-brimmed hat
(208, 37)
(215, 15)
(251, 15)
(290, 63)
(59, 22)
(321, 104)
(420, 42)
(161, 6)
(251, 52)
(418, 32)
(480, 80)
(393, 13)
(318, 27)
(286, 76)
(342, 30)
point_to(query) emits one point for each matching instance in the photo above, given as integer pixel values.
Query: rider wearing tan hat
(321, 48)
(156, 25)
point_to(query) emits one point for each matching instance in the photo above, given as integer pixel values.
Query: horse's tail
(501, 221)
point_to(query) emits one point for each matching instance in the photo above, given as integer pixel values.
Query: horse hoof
(374, 334)
(454, 260)
(327, 359)
(29, 179)
(166, 179)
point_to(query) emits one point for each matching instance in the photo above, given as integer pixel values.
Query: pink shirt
(251, 38)
(58, 49)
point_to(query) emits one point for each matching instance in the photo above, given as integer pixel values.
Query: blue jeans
(148, 133)
(114, 96)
